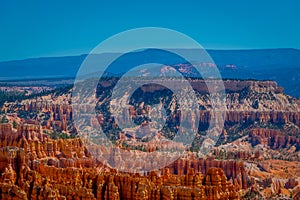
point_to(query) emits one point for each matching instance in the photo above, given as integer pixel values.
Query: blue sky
(59, 27)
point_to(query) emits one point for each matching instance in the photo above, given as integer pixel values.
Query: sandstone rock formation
(271, 105)
(33, 166)
(233, 170)
(273, 138)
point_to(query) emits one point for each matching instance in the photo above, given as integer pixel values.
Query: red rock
(63, 169)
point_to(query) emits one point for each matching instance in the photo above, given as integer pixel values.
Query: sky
(35, 28)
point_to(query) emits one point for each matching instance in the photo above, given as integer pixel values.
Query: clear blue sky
(38, 28)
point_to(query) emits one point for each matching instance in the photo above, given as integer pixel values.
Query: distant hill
(281, 65)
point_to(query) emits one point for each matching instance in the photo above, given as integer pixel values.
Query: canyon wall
(273, 138)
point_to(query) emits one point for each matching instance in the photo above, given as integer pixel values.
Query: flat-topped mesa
(238, 85)
(259, 86)
(200, 85)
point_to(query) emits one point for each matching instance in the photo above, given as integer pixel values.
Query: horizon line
(115, 52)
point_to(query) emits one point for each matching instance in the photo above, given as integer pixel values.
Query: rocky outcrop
(200, 85)
(59, 153)
(59, 113)
(53, 112)
(273, 138)
(33, 166)
(49, 182)
(246, 101)
(235, 117)
(291, 183)
(41, 168)
(234, 170)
